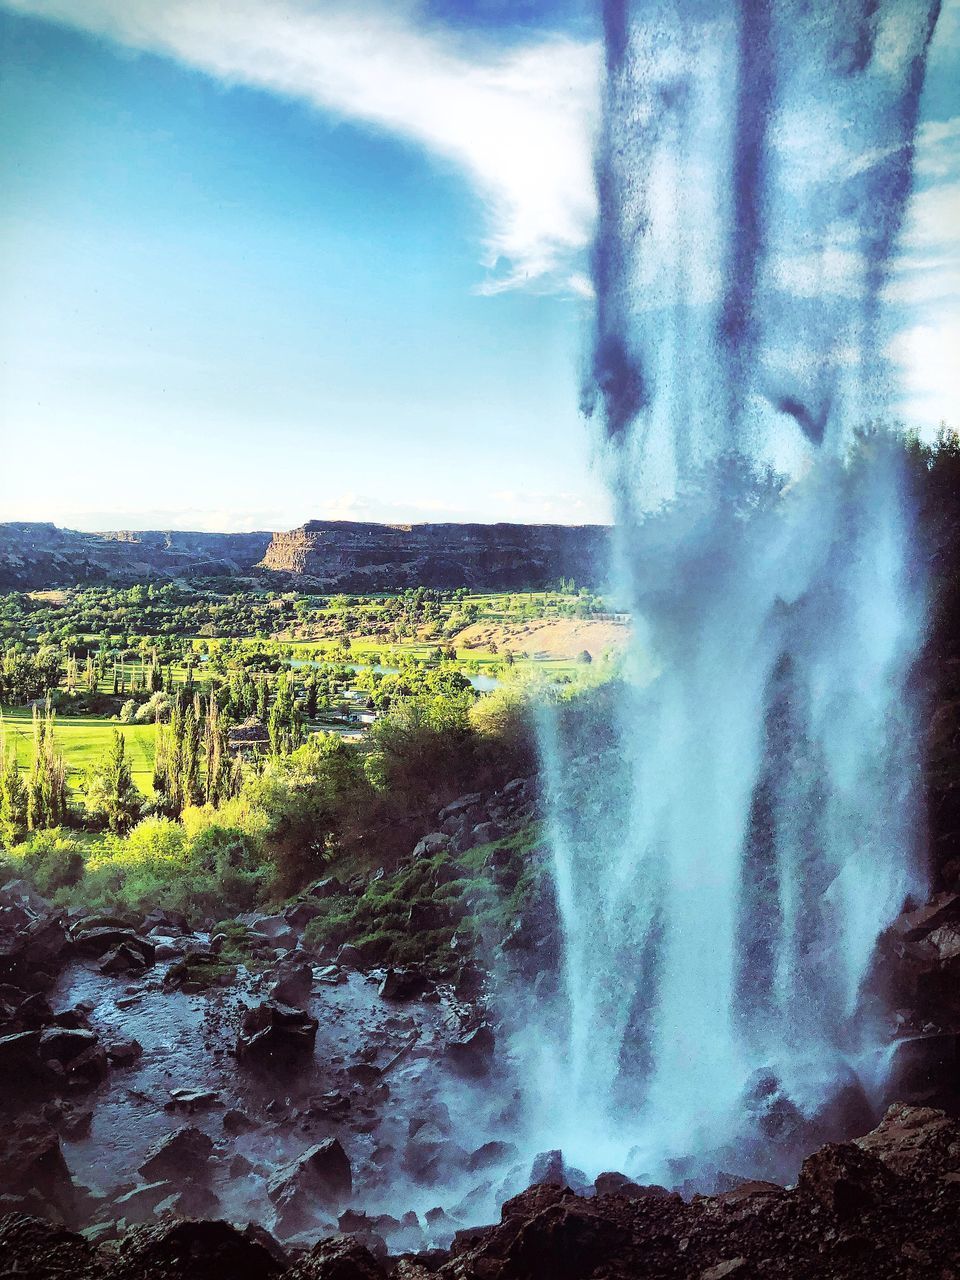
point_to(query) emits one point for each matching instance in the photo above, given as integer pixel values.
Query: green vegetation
(213, 753)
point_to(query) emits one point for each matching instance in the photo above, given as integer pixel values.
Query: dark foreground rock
(885, 1207)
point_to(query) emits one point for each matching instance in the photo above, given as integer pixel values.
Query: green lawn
(83, 740)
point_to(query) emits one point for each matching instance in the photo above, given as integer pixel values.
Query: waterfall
(730, 836)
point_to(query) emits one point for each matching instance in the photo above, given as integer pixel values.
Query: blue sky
(269, 262)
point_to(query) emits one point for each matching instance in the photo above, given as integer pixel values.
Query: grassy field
(83, 740)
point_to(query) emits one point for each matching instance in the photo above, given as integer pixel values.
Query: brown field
(546, 638)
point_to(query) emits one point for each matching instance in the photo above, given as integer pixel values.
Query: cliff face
(335, 555)
(351, 556)
(35, 556)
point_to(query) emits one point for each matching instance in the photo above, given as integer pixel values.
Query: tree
(47, 788)
(13, 795)
(111, 791)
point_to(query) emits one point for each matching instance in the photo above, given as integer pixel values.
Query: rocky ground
(887, 1205)
(162, 1084)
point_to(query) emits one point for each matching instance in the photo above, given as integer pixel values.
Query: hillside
(337, 555)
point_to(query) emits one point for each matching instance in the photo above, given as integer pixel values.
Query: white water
(730, 839)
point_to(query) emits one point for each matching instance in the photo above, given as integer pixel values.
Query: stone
(349, 957)
(330, 887)
(342, 1257)
(724, 1270)
(483, 833)
(844, 1178)
(301, 913)
(274, 1032)
(294, 986)
(200, 1250)
(31, 1162)
(123, 1053)
(403, 984)
(472, 1055)
(237, 1121)
(491, 1154)
(321, 1176)
(182, 1154)
(431, 844)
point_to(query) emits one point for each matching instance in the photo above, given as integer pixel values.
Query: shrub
(50, 860)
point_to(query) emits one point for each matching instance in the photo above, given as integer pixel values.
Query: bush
(50, 860)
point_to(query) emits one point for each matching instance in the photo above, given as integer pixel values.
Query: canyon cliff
(330, 555)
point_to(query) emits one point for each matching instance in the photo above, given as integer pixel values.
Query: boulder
(31, 1161)
(294, 986)
(472, 1054)
(104, 939)
(341, 1257)
(403, 984)
(845, 1179)
(331, 887)
(301, 913)
(912, 1139)
(200, 1250)
(183, 1154)
(482, 833)
(490, 1155)
(431, 844)
(274, 1032)
(321, 1176)
(459, 807)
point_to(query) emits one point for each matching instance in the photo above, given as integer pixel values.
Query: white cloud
(519, 123)
(930, 371)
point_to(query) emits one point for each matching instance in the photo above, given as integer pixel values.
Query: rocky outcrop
(344, 555)
(335, 555)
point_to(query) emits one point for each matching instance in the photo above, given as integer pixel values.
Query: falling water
(731, 836)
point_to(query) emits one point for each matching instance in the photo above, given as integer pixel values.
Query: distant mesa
(325, 555)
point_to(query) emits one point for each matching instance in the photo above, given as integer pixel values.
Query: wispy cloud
(518, 122)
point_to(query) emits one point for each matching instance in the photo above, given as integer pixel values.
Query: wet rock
(19, 1053)
(123, 1053)
(198, 1250)
(236, 1121)
(403, 984)
(457, 808)
(31, 1161)
(98, 941)
(138, 1204)
(349, 957)
(35, 1249)
(844, 1178)
(274, 1032)
(34, 943)
(341, 1258)
(190, 1100)
(472, 1054)
(182, 1154)
(76, 1051)
(322, 1175)
(490, 1155)
(330, 976)
(926, 1070)
(275, 929)
(726, 1270)
(294, 986)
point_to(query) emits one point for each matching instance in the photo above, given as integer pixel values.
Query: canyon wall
(335, 555)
